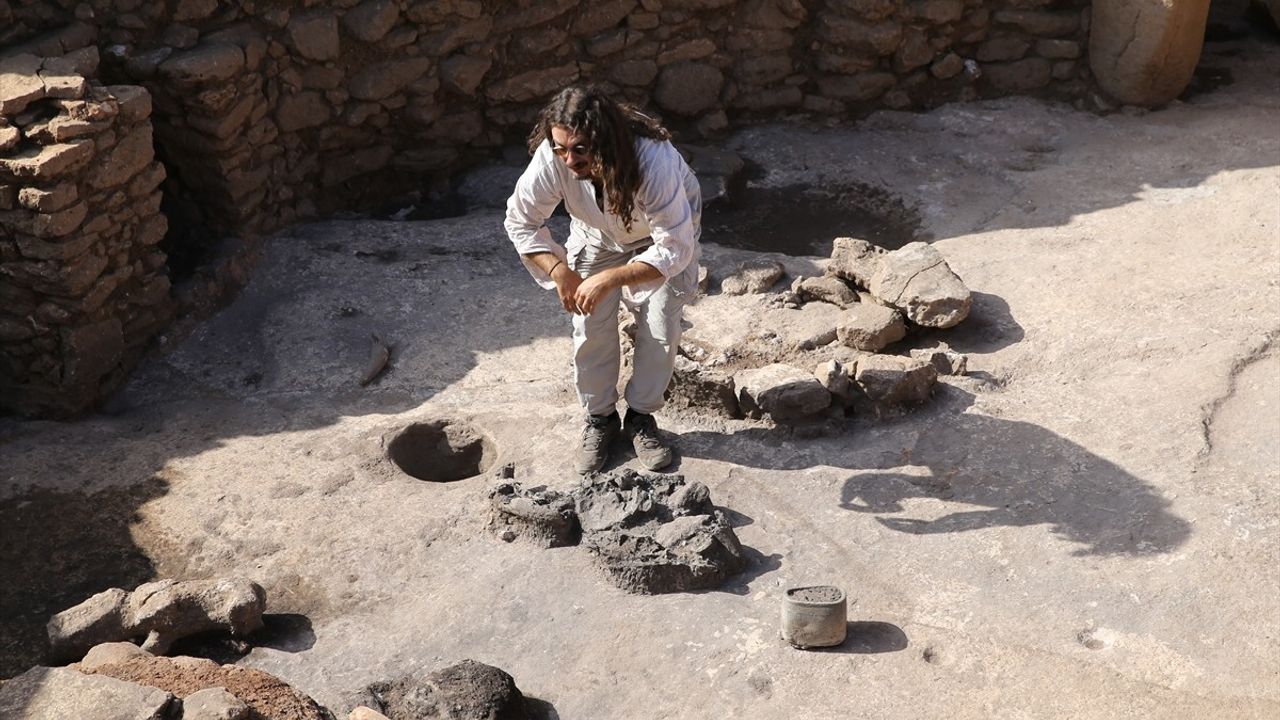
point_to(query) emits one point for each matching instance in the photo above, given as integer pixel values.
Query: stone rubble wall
(272, 111)
(267, 112)
(83, 287)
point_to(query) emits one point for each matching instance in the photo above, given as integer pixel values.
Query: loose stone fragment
(781, 391)
(829, 289)
(917, 279)
(889, 380)
(870, 327)
(20, 83)
(945, 360)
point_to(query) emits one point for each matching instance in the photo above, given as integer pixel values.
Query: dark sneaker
(597, 434)
(642, 429)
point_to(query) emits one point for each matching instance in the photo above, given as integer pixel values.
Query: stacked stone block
(83, 286)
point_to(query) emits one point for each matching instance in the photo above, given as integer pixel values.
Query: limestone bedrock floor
(1084, 527)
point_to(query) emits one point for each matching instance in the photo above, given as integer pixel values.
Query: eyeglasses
(577, 150)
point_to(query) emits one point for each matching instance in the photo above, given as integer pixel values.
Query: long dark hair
(610, 128)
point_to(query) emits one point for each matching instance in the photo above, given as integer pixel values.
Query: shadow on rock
(59, 548)
(1020, 474)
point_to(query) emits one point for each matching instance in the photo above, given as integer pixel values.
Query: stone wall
(82, 287)
(271, 111)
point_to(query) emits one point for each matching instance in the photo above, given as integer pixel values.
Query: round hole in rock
(442, 451)
(803, 219)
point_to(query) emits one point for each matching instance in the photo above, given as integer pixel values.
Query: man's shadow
(1015, 473)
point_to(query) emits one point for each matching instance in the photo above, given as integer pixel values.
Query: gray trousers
(596, 353)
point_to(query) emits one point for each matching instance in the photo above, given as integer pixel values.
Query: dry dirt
(1085, 526)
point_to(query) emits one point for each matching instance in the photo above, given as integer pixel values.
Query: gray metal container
(814, 616)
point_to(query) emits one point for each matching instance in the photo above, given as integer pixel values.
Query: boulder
(870, 327)
(382, 80)
(160, 612)
(781, 391)
(753, 276)
(890, 380)
(44, 693)
(688, 88)
(371, 20)
(314, 36)
(1143, 52)
(463, 691)
(917, 280)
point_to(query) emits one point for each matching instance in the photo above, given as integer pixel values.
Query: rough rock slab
(44, 693)
(917, 279)
(110, 653)
(781, 391)
(266, 695)
(890, 380)
(465, 691)
(870, 327)
(802, 328)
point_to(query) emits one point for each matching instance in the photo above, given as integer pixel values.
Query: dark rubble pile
(651, 533)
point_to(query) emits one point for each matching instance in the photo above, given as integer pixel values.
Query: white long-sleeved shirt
(666, 220)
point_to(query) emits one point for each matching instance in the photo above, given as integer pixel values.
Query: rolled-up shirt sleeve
(673, 224)
(536, 195)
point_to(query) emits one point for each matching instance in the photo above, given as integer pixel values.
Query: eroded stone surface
(160, 612)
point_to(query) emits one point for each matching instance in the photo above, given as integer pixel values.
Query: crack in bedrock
(1209, 412)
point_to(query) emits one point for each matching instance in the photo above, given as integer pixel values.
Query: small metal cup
(814, 616)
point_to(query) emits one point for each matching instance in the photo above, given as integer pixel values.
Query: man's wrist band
(553, 267)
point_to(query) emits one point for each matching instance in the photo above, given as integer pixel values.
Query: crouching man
(636, 214)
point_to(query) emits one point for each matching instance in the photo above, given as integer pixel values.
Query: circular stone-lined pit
(442, 451)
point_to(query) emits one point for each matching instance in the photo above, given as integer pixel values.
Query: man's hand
(594, 289)
(567, 282)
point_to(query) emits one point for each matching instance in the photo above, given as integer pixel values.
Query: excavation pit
(801, 220)
(442, 451)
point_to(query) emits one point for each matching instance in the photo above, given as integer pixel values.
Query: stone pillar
(83, 286)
